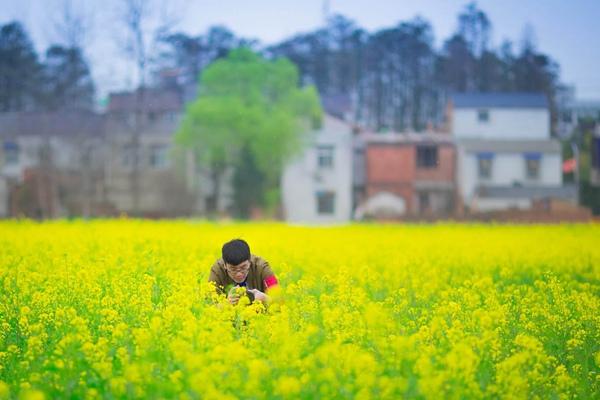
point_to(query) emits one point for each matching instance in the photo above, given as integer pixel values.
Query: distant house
(506, 157)
(408, 175)
(78, 163)
(500, 116)
(317, 185)
(141, 176)
(51, 163)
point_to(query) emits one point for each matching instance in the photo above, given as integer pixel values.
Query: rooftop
(152, 100)
(61, 123)
(499, 100)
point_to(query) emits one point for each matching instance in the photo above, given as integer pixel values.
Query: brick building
(408, 175)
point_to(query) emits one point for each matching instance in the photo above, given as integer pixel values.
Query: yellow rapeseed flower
(123, 308)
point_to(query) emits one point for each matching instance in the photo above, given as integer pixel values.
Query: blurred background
(312, 112)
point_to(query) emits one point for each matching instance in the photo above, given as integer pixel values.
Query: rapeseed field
(122, 309)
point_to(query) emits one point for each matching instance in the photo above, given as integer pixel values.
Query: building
(51, 164)
(408, 175)
(78, 163)
(317, 185)
(506, 156)
(142, 175)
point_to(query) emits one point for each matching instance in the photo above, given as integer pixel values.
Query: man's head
(236, 255)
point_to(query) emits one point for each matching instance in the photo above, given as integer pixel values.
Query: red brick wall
(390, 163)
(392, 168)
(393, 163)
(445, 169)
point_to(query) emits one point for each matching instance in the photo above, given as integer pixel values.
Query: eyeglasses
(238, 268)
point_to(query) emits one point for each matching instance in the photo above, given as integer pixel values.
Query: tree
(72, 23)
(398, 78)
(475, 27)
(330, 57)
(250, 111)
(467, 63)
(388, 74)
(580, 145)
(345, 41)
(191, 54)
(19, 69)
(507, 61)
(457, 65)
(537, 72)
(67, 80)
(144, 25)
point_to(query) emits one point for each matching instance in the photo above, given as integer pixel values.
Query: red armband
(270, 282)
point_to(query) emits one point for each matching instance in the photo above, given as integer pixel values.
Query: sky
(566, 30)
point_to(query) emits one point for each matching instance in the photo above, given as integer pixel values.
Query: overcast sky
(569, 31)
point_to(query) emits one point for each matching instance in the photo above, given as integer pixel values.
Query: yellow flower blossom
(287, 386)
(4, 390)
(122, 308)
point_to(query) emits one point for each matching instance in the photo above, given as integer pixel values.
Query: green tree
(583, 138)
(20, 69)
(251, 115)
(68, 83)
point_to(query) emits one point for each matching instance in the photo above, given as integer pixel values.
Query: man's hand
(234, 295)
(233, 298)
(258, 295)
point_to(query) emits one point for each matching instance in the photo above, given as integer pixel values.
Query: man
(238, 268)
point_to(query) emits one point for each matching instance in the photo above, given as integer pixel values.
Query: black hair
(235, 252)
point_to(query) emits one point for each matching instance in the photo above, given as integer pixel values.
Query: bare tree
(145, 23)
(73, 24)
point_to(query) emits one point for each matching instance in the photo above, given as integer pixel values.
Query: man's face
(238, 272)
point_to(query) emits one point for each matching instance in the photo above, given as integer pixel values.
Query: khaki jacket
(259, 272)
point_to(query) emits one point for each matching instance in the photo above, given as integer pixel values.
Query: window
(483, 115)
(11, 153)
(325, 156)
(158, 156)
(532, 165)
(484, 165)
(325, 203)
(427, 157)
(129, 158)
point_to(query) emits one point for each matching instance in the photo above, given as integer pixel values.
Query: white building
(317, 186)
(506, 157)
